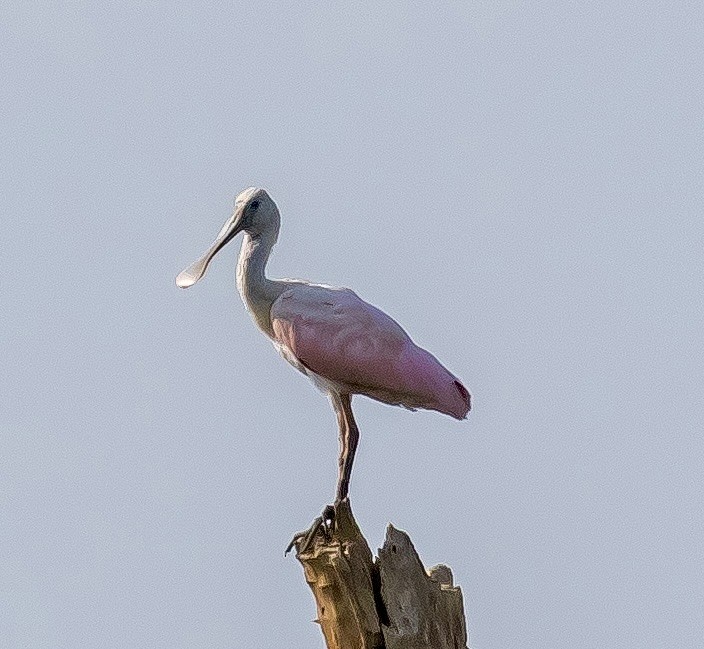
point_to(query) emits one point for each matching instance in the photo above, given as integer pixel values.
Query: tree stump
(390, 602)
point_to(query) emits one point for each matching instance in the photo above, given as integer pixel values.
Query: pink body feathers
(337, 336)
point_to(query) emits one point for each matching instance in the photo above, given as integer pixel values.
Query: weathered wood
(424, 608)
(388, 603)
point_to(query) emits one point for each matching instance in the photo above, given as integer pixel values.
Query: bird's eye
(254, 205)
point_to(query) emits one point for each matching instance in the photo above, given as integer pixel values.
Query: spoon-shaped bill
(189, 276)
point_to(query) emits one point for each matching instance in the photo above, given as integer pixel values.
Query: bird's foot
(303, 540)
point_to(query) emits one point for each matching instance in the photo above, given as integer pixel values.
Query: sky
(518, 184)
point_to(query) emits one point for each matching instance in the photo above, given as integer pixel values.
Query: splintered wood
(388, 603)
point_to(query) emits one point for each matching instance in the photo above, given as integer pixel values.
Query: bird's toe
(325, 523)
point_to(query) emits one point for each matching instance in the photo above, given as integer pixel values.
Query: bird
(345, 345)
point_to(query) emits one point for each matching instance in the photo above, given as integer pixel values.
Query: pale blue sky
(519, 184)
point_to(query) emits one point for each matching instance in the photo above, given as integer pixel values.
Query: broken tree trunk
(387, 603)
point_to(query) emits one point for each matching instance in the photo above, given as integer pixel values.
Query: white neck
(257, 291)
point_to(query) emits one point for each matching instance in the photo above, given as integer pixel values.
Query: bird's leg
(349, 437)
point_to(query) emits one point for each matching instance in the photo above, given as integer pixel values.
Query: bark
(390, 602)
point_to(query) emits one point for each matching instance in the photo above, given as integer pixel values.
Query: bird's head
(255, 213)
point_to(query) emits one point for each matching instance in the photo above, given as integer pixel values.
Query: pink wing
(338, 336)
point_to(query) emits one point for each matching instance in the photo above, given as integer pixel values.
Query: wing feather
(338, 336)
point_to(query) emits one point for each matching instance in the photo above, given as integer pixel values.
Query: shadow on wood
(387, 603)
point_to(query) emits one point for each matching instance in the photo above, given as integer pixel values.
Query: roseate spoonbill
(345, 345)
